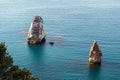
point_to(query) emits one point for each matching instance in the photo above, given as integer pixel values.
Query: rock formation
(95, 54)
(51, 43)
(36, 33)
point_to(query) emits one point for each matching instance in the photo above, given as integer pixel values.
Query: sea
(72, 25)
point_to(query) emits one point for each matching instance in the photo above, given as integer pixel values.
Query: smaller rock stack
(95, 54)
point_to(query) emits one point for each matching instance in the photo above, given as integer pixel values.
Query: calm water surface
(79, 22)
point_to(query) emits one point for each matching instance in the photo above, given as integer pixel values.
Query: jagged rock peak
(38, 19)
(95, 53)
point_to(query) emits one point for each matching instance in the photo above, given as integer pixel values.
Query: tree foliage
(6, 60)
(8, 71)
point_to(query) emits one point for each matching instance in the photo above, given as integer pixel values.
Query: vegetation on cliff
(9, 71)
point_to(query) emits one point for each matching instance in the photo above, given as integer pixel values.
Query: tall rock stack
(95, 54)
(36, 32)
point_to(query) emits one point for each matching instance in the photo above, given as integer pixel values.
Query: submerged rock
(36, 33)
(51, 43)
(95, 54)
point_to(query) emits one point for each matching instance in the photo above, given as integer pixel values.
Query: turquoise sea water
(79, 22)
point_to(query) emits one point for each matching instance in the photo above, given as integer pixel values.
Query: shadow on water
(94, 73)
(37, 51)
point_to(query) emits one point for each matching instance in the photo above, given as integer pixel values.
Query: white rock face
(36, 33)
(95, 54)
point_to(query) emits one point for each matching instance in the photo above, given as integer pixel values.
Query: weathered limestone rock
(95, 54)
(36, 33)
